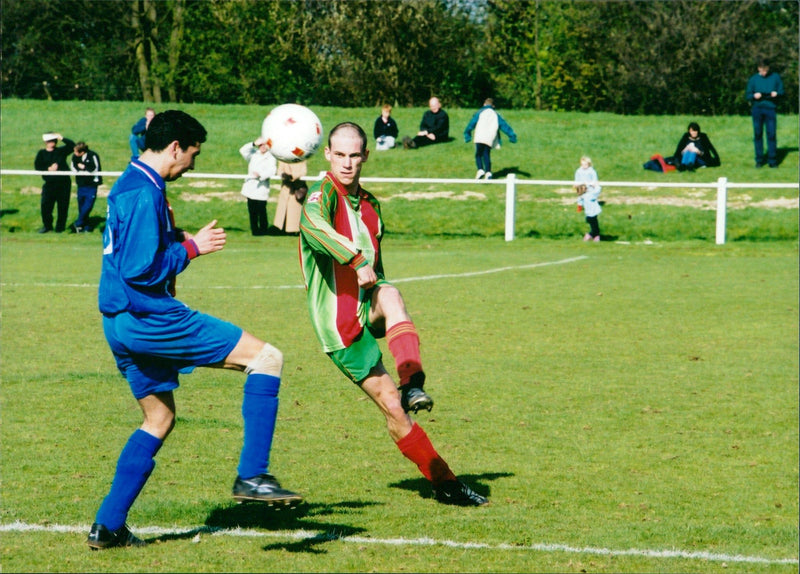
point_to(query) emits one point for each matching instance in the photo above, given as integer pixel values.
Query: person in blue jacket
(487, 124)
(153, 336)
(763, 91)
(136, 139)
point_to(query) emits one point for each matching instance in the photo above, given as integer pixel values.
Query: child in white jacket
(588, 190)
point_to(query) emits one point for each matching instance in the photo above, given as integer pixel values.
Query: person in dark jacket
(84, 163)
(763, 92)
(56, 188)
(136, 139)
(433, 129)
(695, 150)
(385, 130)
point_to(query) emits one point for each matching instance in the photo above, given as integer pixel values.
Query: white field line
(333, 536)
(401, 280)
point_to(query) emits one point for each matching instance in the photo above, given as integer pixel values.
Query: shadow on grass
(423, 487)
(302, 518)
(506, 171)
(782, 152)
(4, 212)
(96, 222)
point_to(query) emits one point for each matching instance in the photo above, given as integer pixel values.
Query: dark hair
(80, 147)
(694, 126)
(762, 62)
(353, 126)
(173, 125)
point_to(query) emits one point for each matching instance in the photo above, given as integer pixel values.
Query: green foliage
(638, 57)
(629, 57)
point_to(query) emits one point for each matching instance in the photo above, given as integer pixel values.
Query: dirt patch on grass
(203, 197)
(423, 195)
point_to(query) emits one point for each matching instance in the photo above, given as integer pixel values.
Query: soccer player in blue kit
(153, 336)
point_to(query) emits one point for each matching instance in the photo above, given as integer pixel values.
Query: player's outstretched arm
(209, 239)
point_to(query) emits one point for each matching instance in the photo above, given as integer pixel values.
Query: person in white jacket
(487, 124)
(261, 166)
(588, 190)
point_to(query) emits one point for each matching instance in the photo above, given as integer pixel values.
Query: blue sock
(259, 410)
(133, 469)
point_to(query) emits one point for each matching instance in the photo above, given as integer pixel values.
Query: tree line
(626, 56)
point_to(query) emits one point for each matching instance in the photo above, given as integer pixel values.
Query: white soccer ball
(293, 132)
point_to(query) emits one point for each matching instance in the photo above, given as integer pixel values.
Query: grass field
(628, 406)
(549, 147)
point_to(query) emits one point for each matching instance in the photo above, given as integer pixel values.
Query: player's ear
(327, 153)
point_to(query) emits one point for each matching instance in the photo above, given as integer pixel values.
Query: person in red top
(351, 304)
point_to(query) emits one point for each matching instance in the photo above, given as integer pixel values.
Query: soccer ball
(293, 132)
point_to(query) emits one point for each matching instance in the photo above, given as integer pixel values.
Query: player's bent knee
(269, 361)
(389, 300)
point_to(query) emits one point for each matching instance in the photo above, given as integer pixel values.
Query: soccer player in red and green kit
(351, 303)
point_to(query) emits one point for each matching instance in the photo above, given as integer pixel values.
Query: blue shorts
(151, 350)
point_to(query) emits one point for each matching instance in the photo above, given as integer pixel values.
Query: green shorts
(357, 360)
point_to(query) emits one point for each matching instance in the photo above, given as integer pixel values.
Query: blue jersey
(141, 251)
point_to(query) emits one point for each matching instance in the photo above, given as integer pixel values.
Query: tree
(63, 50)
(625, 56)
(638, 57)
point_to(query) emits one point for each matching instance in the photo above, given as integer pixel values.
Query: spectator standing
(588, 189)
(136, 139)
(695, 150)
(433, 129)
(763, 90)
(351, 303)
(154, 337)
(291, 197)
(56, 188)
(84, 163)
(261, 166)
(487, 124)
(385, 130)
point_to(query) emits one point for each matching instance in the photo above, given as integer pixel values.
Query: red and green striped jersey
(339, 233)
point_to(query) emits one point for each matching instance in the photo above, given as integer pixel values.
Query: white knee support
(269, 361)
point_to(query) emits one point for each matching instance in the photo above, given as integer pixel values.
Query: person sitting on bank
(433, 129)
(695, 150)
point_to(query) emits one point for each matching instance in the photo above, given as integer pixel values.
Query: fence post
(511, 202)
(722, 206)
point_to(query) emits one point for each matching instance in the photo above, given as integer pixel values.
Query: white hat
(49, 136)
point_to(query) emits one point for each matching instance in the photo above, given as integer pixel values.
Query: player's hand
(366, 276)
(210, 238)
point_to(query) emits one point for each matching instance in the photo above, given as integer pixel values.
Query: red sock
(403, 343)
(417, 447)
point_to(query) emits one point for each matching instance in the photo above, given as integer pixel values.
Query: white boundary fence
(511, 183)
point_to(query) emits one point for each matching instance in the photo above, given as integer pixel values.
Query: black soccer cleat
(414, 399)
(264, 488)
(457, 493)
(101, 537)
